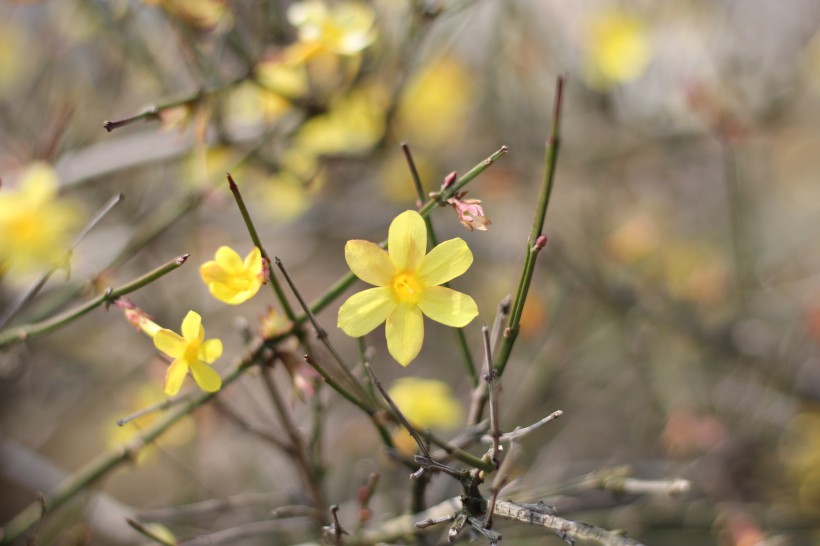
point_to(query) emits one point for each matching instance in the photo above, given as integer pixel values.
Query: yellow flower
(354, 124)
(34, 225)
(231, 280)
(618, 49)
(204, 14)
(426, 402)
(344, 29)
(407, 285)
(190, 351)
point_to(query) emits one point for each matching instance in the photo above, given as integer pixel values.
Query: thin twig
(29, 331)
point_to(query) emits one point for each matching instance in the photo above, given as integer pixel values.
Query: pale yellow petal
(362, 312)
(175, 376)
(170, 343)
(253, 262)
(192, 327)
(206, 377)
(369, 262)
(445, 262)
(230, 261)
(212, 272)
(407, 241)
(405, 333)
(448, 306)
(227, 294)
(210, 350)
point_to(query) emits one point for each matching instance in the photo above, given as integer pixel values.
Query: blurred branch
(23, 333)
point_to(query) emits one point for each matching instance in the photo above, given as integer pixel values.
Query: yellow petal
(227, 294)
(230, 261)
(170, 343)
(175, 376)
(445, 262)
(210, 350)
(205, 376)
(448, 306)
(407, 241)
(192, 327)
(369, 262)
(362, 312)
(405, 333)
(253, 262)
(212, 272)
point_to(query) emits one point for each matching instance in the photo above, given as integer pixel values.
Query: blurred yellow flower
(407, 284)
(433, 107)
(34, 224)
(204, 14)
(346, 28)
(229, 279)
(190, 351)
(617, 48)
(180, 433)
(284, 76)
(354, 124)
(426, 402)
(250, 104)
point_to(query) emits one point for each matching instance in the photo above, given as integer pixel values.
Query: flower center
(192, 351)
(407, 288)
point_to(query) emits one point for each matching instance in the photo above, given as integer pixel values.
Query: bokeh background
(674, 315)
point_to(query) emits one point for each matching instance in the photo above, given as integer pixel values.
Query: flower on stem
(407, 284)
(344, 29)
(190, 351)
(470, 212)
(139, 318)
(34, 224)
(231, 280)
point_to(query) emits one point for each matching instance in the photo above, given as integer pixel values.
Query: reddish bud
(540, 242)
(449, 180)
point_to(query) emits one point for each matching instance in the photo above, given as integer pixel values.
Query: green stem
(277, 288)
(431, 234)
(37, 329)
(99, 466)
(550, 163)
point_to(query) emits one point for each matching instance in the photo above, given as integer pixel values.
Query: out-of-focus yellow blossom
(800, 453)
(617, 48)
(433, 107)
(634, 239)
(232, 281)
(354, 124)
(693, 271)
(14, 67)
(251, 104)
(190, 351)
(287, 194)
(346, 28)
(426, 403)
(180, 433)
(273, 323)
(284, 76)
(407, 283)
(35, 225)
(204, 14)
(207, 166)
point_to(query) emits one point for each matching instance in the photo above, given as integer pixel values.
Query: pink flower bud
(449, 180)
(540, 242)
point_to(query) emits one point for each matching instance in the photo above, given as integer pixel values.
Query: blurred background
(674, 316)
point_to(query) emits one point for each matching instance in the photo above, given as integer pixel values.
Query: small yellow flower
(190, 351)
(231, 280)
(618, 48)
(344, 29)
(426, 402)
(407, 284)
(34, 224)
